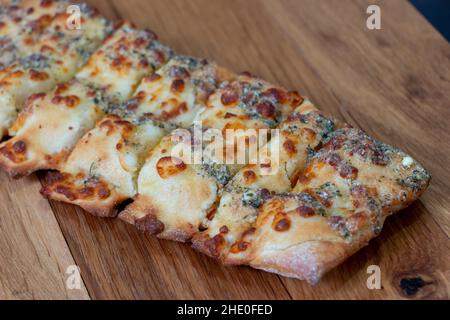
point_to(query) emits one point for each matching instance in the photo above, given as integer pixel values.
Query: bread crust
(306, 261)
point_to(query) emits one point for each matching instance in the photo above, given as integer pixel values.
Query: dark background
(437, 12)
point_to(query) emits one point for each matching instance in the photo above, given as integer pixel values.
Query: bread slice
(192, 185)
(113, 152)
(304, 131)
(340, 202)
(55, 58)
(107, 80)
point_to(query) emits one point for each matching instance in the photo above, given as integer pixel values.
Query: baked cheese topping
(125, 58)
(108, 156)
(176, 93)
(189, 195)
(344, 195)
(107, 132)
(66, 113)
(248, 103)
(58, 56)
(238, 104)
(81, 102)
(21, 24)
(304, 131)
(118, 144)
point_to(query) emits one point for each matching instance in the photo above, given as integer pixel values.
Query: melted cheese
(117, 146)
(183, 217)
(21, 25)
(123, 61)
(194, 193)
(304, 129)
(112, 150)
(94, 94)
(51, 124)
(56, 59)
(177, 92)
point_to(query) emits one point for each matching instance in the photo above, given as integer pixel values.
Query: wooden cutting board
(394, 83)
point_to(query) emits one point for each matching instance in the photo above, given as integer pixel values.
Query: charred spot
(61, 88)
(140, 42)
(177, 86)
(348, 171)
(169, 166)
(282, 225)
(71, 101)
(153, 77)
(265, 194)
(150, 224)
(334, 160)
(335, 143)
(310, 133)
(249, 176)
(305, 212)
(119, 61)
(104, 193)
(38, 75)
(224, 230)
(359, 190)
(296, 98)
(339, 224)
(274, 94)
(213, 245)
(19, 147)
(67, 192)
(289, 147)
(86, 192)
(229, 97)
(46, 3)
(159, 56)
(266, 109)
(229, 115)
(143, 63)
(380, 158)
(239, 246)
(294, 116)
(40, 23)
(132, 104)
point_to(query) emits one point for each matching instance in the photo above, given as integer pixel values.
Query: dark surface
(437, 12)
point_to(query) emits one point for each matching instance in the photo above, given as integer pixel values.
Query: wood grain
(34, 255)
(393, 83)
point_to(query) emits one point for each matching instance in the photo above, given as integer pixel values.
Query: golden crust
(306, 261)
(340, 202)
(93, 195)
(107, 154)
(351, 182)
(303, 130)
